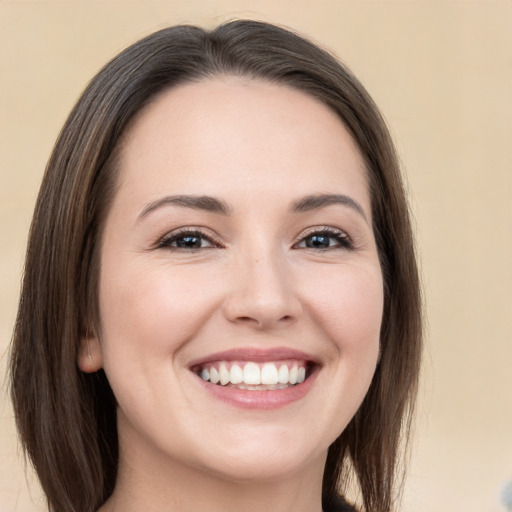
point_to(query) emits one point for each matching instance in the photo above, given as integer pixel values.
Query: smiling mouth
(255, 376)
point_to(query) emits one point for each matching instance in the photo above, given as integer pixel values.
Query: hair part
(67, 419)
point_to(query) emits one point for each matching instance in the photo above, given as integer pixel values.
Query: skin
(253, 282)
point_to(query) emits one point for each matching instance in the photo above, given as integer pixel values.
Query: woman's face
(238, 250)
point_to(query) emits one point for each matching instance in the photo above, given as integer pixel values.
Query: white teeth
(283, 374)
(252, 374)
(236, 374)
(223, 374)
(214, 376)
(269, 374)
(262, 387)
(294, 373)
(255, 376)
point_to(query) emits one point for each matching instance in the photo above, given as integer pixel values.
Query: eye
(188, 240)
(324, 238)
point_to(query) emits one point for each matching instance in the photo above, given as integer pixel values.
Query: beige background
(442, 73)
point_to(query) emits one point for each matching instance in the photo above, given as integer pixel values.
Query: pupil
(189, 241)
(316, 241)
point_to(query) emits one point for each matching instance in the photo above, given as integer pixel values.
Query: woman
(220, 308)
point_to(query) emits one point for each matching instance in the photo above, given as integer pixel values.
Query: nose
(262, 293)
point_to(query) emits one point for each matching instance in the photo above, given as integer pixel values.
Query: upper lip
(256, 355)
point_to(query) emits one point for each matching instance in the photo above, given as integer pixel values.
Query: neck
(165, 486)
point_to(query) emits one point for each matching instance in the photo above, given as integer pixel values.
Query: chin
(265, 453)
(264, 468)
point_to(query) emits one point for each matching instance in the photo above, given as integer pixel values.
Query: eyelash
(342, 240)
(170, 238)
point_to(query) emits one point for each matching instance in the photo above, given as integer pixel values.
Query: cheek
(149, 312)
(348, 303)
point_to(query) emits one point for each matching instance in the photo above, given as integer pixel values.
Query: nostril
(246, 319)
(262, 308)
(262, 321)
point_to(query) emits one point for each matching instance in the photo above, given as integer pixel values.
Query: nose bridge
(263, 291)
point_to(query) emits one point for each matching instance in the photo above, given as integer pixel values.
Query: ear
(90, 358)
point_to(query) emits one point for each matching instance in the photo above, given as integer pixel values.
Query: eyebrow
(316, 201)
(206, 203)
(212, 204)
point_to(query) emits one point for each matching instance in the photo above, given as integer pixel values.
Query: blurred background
(441, 71)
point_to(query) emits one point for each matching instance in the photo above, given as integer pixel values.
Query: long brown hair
(66, 418)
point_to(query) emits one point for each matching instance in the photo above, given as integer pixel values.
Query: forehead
(207, 136)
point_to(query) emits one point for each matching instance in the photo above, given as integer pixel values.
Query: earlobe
(89, 356)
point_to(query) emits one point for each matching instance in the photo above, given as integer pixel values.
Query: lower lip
(246, 399)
